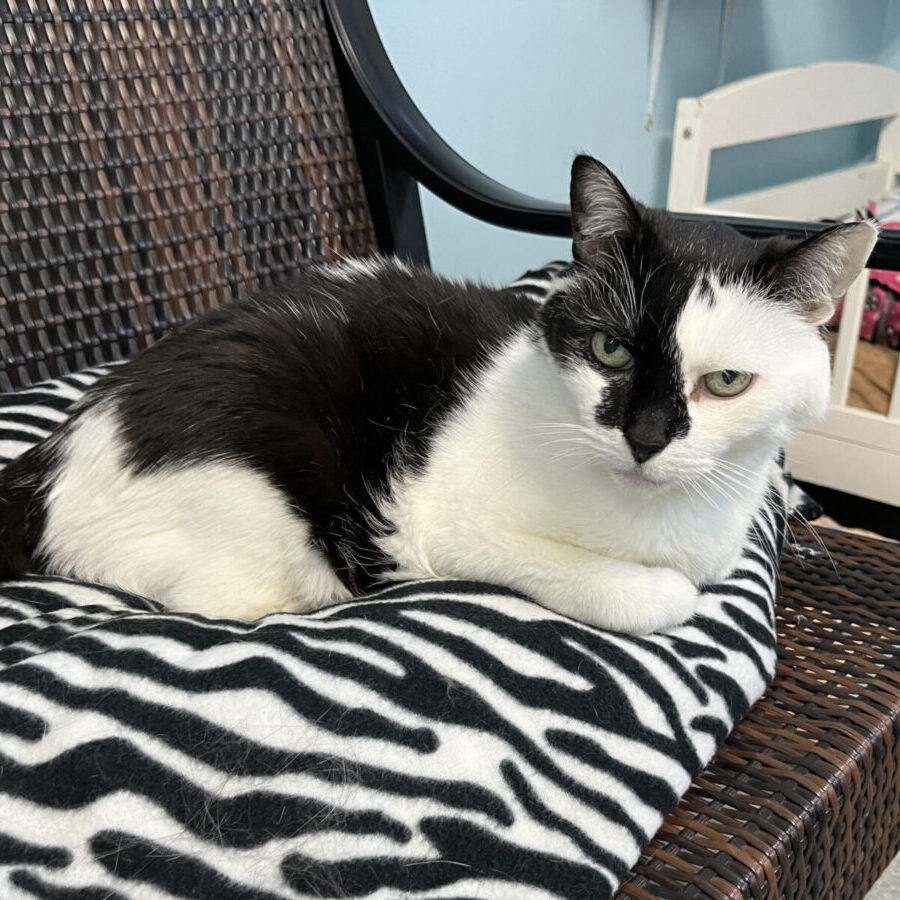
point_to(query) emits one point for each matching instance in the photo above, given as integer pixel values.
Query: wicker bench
(803, 801)
(158, 161)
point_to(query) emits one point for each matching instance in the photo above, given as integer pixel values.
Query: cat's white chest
(456, 510)
(494, 485)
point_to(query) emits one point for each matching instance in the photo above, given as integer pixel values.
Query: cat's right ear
(603, 213)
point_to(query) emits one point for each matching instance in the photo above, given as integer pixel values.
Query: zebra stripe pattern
(439, 740)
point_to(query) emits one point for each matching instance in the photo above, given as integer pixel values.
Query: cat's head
(687, 347)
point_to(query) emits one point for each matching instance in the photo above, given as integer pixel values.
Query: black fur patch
(705, 291)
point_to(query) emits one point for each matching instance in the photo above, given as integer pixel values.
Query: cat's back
(337, 331)
(406, 320)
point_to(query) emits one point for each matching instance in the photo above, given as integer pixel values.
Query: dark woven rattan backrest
(157, 159)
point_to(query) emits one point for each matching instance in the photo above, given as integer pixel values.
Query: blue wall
(519, 86)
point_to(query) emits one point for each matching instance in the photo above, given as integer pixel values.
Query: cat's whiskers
(573, 446)
(725, 463)
(816, 536)
(717, 483)
(556, 427)
(735, 480)
(737, 477)
(561, 432)
(570, 433)
(761, 539)
(574, 453)
(790, 536)
(723, 488)
(552, 440)
(572, 441)
(784, 517)
(743, 476)
(692, 485)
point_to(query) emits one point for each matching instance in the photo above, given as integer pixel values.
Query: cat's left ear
(817, 272)
(603, 213)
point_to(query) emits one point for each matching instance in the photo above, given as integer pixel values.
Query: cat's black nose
(644, 444)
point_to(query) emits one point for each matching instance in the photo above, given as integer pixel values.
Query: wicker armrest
(803, 800)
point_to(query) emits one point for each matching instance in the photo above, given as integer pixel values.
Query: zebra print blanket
(440, 739)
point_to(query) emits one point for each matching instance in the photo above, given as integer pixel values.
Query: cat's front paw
(672, 600)
(653, 599)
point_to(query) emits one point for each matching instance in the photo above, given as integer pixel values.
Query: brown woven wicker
(156, 159)
(803, 801)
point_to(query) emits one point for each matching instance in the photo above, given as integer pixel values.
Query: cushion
(432, 739)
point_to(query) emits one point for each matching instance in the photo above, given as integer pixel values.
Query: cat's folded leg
(599, 590)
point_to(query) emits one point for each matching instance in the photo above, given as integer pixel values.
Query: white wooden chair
(853, 450)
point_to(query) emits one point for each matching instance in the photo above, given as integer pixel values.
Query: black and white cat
(603, 453)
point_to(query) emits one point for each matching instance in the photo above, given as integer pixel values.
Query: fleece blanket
(433, 739)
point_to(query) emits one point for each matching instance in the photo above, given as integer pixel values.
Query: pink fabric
(880, 322)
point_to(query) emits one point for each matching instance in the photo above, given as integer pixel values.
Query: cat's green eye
(727, 383)
(610, 350)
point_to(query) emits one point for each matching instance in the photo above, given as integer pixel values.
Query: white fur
(212, 537)
(548, 287)
(362, 267)
(524, 488)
